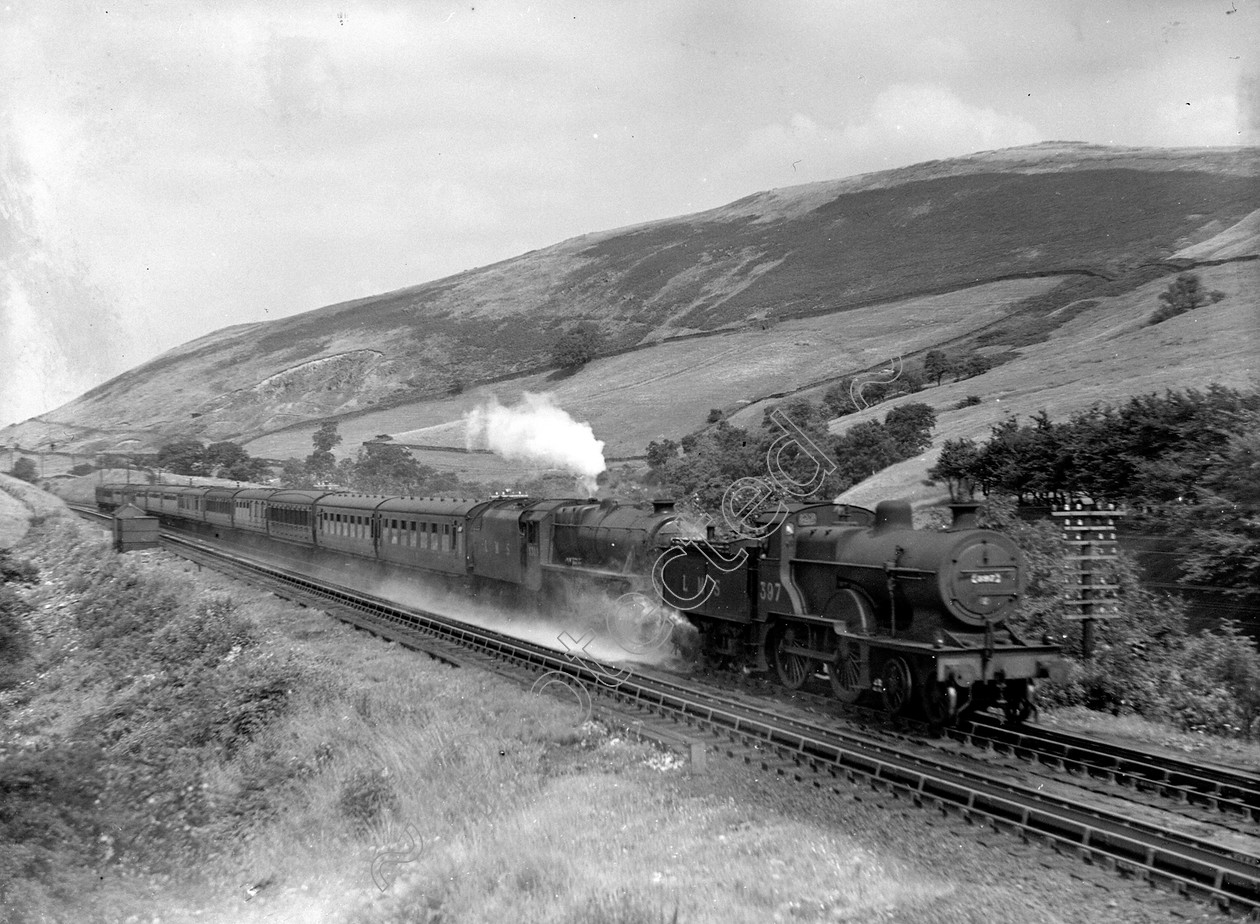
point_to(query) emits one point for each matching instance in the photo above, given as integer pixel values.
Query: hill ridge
(1042, 212)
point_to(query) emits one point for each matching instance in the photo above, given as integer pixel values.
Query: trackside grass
(182, 749)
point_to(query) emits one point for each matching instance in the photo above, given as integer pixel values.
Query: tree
(25, 469)
(838, 399)
(863, 450)
(385, 466)
(957, 468)
(576, 347)
(326, 437)
(321, 462)
(224, 455)
(183, 457)
(909, 382)
(249, 469)
(910, 426)
(660, 453)
(1227, 558)
(972, 365)
(936, 365)
(1183, 294)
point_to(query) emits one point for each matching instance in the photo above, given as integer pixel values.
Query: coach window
(447, 544)
(433, 538)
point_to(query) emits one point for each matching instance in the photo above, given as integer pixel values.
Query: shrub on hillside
(1185, 293)
(576, 347)
(25, 470)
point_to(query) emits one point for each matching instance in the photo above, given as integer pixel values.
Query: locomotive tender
(915, 618)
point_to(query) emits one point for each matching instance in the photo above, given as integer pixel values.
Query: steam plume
(540, 432)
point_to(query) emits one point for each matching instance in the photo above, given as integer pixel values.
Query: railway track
(1220, 789)
(823, 755)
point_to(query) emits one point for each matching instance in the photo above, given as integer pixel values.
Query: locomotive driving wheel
(845, 674)
(898, 685)
(793, 669)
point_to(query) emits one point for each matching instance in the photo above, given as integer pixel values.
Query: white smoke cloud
(537, 431)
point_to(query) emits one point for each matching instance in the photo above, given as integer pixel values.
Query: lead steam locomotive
(914, 619)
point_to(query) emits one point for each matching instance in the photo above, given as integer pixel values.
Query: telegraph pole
(1089, 531)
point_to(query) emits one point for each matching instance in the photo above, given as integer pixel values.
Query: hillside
(767, 295)
(1103, 355)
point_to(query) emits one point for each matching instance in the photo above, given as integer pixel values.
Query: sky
(171, 168)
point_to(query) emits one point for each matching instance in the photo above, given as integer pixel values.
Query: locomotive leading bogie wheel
(845, 674)
(939, 700)
(898, 685)
(793, 669)
(1019, 696)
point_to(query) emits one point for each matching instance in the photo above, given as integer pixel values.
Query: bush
(1184, 294)
(25, 469)
(576, 347)
(969, 401)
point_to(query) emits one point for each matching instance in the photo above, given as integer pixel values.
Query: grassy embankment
(178, 747)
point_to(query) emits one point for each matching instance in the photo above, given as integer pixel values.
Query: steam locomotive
(913, 619)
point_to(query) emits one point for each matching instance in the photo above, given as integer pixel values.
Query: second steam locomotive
(915, 619)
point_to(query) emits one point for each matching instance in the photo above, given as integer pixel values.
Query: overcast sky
(170, 168)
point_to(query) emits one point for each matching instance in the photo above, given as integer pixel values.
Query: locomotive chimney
(965, 515)
(661, 505)
(893, 514)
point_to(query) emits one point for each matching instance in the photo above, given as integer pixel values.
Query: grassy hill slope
(1105, 354)
(771, 259)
